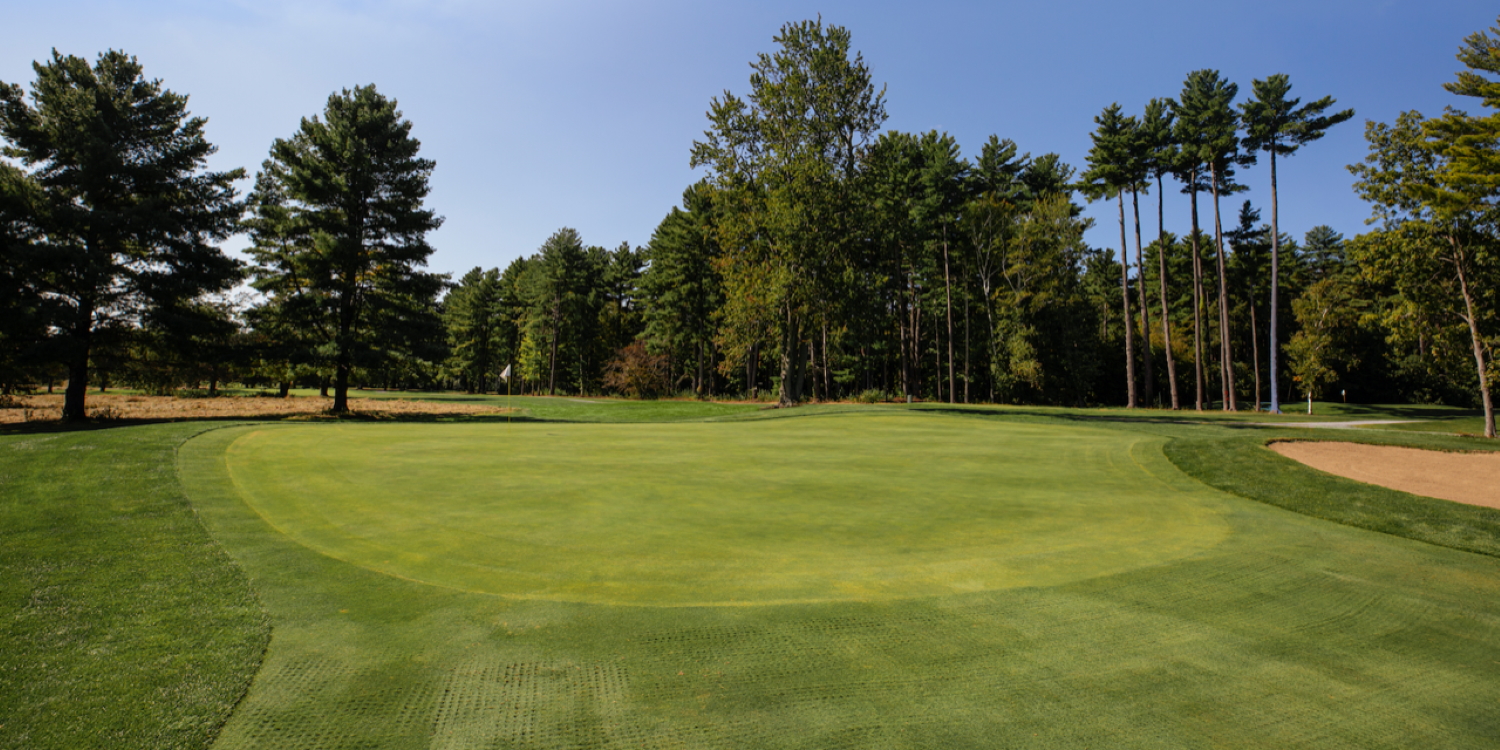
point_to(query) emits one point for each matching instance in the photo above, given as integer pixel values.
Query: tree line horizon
(820, 258)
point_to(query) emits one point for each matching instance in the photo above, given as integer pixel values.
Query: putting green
(773, 511)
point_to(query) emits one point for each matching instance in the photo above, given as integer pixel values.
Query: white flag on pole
(505, 375)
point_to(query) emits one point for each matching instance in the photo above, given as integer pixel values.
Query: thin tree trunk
(1130, 395)
(552, 355)
(827, 381)
(968, 338)
(1275, 288)
(1166, 320)
(284, 390)
(1198, 349)
(948, 300)
(344, 364)
(750, 365)
(1147, 380)
(1475, 339)
(989, 319)
(1255, 349)
(1226, 349)
(792, 363)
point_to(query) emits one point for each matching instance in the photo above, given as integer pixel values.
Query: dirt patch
(128, 407)
(1472, 478)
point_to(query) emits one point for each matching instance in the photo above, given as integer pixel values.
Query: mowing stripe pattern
(1287, 631)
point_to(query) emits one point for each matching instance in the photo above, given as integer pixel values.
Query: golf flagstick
(505, 375)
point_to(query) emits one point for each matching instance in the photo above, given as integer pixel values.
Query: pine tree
(1110, 172)
(1279, 127)
(1159, 156)
(117, 209)
(353, 186)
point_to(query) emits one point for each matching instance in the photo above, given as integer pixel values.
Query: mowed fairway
(871, 580)
(776, 511)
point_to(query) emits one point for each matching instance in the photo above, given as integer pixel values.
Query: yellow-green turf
(586, 611)
(779, 511)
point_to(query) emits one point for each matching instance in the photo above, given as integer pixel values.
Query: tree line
(820, 257)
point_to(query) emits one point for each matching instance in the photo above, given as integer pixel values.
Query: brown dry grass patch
(110, 406)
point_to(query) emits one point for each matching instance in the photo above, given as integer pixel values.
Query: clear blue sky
(581, 114)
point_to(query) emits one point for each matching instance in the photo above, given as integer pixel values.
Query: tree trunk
(792, 363)
(1226, 349)
(968, 339)
(1475, 339)
(78, 368)
(750, 366)
(552, 358)
(1148, 385)
(284, 390)
(1166, 320)
(1130, 397)
(1255, 350)
(1198, 373)
(1275, 287)
(948, 301)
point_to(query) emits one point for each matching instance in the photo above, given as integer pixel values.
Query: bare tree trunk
(1275, 287)
(1197, 301)
(1166, 320)
(948, 300)
(1226, 357)
(827, 381)
(792, 362)
(750, 366)
(1475, 339)
(1130, 397)
(76, 394)
(1255, 349)
(1148, 384)
(968, 339)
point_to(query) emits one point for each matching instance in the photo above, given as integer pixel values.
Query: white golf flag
(505, 375)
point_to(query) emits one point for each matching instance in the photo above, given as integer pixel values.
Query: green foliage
(783, 158)
(683, 289)
(116, 218)
(339, 233)
(472, 315)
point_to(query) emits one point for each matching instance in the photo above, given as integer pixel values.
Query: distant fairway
(883, 579)
(792, 510)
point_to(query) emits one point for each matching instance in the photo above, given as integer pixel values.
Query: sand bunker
(1472, 478)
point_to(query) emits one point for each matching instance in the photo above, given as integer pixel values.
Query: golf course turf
(828, 579)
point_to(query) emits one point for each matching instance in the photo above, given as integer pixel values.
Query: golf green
(865, 508)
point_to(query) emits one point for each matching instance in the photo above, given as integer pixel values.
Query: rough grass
(1243, 466)
(122, 624)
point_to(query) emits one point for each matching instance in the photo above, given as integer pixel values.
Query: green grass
(1243, 466)
(822, 577)
(124, 625)
(786, 510)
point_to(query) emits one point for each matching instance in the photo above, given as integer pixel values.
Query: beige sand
(115, 406)
(1472, 478)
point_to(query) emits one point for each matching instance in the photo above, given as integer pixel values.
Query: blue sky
(581, 114)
